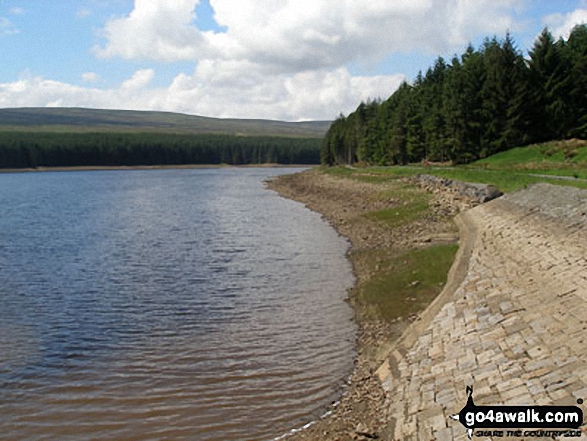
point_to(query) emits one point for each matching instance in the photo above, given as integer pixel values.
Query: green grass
(370, 175)
(505, 180)
(580, 173)
(340, 171)
(517, 168)
(509, 171)
(408, 283)
(404, 285)
(414, 205)
(519, 155)
(551, 154)
(414, 201)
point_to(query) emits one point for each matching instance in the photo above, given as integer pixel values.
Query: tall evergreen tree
(575, 53)
(503, 97)
(455, 112)
(550, 87)
(415, 138)
(489, 100)
(433, 116)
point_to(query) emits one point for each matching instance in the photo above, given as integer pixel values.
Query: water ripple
(188, 304)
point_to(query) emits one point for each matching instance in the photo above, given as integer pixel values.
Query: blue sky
(293, 59)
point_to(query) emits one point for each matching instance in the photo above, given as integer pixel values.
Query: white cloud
(139, 80)
(155, 29)
(241, 91)
(16, 11)
(30, 90)
(6, 27)
(561, 25)
(294, 35)
(280, 59)
(90, 77)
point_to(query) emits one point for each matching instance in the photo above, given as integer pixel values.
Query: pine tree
(550, 87)
(454, 112)
(415, 137)
(576, 54)
(503, 95)
(432, 117)
(489, 100)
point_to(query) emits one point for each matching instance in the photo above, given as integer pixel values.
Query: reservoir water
(166, 305)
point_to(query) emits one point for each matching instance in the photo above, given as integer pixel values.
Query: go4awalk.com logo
(516, 421)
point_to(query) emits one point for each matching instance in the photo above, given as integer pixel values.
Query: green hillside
(98, 120)
(556, 154)
(555, 162)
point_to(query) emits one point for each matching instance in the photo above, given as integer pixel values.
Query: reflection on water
(169, 304)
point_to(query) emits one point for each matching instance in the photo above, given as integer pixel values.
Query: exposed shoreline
(346, 203)
(146, 167)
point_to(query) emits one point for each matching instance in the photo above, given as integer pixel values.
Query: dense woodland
(33, 149)
(487, 100)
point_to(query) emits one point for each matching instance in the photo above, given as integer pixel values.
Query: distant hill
(43, 119)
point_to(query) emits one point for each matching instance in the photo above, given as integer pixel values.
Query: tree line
(37, 149)
(486, 101)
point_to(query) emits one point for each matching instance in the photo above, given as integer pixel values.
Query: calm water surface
(166, 305)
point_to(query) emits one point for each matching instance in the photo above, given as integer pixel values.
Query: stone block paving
(516, 327)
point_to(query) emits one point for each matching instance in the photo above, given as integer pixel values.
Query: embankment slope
(515, 328)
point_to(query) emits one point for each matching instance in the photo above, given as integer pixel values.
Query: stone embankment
(469, 193)
(511, 322)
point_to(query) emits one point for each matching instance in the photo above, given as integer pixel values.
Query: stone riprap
(471, 192)
(512, 321)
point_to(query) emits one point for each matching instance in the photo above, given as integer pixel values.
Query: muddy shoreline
(346, 203)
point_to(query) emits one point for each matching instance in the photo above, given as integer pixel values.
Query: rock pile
(468, 193)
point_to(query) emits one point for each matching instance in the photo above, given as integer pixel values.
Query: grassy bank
(397, 281)
(397, 278)
(557, 163)
(405, 284)
(403, 281)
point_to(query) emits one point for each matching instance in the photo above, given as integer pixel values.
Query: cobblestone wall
(512, 321)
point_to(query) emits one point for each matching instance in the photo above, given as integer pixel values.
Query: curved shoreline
(506, 322)
(361, 412)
